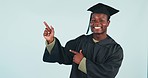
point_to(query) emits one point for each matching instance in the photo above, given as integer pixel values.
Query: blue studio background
(22, 43)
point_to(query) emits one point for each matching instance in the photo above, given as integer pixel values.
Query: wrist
(51, 40)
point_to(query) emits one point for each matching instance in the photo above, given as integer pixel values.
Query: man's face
(99, 23)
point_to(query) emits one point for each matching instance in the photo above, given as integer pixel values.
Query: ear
(108, 22)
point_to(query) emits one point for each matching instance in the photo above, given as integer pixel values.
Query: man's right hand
(48, 33)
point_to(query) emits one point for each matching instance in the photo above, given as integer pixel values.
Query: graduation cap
(102, 8)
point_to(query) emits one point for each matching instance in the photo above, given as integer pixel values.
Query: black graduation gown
(103, 59)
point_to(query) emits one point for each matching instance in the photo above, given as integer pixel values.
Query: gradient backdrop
(22, 43)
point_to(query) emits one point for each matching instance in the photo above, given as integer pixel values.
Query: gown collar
(107, 40)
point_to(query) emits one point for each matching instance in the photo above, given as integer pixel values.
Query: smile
(97, 27)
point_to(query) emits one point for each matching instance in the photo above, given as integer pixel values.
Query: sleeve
(82, 65)
(50, 46)
(109, 69)
(59, 53)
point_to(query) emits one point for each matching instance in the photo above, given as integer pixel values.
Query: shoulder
(72, 44)
(78, 40)
(113, 44)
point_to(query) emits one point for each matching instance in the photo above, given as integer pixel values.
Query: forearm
(55, 52)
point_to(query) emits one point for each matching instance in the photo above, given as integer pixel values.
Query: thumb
(80, 51)
(52, 29)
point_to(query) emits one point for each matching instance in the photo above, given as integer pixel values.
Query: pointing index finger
(47, 26)
(74, 52)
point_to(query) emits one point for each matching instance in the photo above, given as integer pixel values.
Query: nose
(93, 23)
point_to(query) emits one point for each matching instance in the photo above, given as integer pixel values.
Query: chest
(96, 53)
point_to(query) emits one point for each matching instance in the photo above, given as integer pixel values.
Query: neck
(99, 37)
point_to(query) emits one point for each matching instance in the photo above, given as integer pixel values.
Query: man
(92, 56)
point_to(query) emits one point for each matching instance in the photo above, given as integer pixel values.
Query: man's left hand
(77, 57)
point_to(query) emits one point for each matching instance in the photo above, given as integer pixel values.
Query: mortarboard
(102, 8)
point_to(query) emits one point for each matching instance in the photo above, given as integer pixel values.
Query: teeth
(97, 27)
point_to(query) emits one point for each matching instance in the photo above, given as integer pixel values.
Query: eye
(102, 20)
(93, 21)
